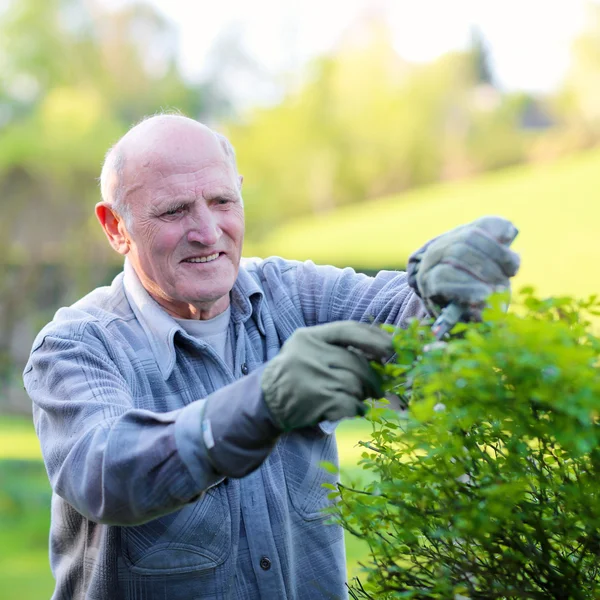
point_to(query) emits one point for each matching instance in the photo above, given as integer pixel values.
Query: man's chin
(206, 291)
(206, 297)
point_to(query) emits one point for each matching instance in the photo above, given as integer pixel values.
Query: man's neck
(201, 312)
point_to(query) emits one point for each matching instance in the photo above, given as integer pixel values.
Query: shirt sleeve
(325, 294)
(114, 463)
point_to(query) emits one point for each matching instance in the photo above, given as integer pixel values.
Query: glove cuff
(268, 384)
(239, 431)
(414, 262)
(412, 270)
(413, 273)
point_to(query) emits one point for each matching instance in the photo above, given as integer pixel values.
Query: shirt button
(265, 563)
(244, 369)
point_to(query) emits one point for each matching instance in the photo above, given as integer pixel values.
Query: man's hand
(465, 266)
(323, 373)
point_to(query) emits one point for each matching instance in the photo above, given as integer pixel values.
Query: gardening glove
(323, 373)
(465, 266)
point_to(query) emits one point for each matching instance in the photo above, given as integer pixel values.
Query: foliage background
(361, 159)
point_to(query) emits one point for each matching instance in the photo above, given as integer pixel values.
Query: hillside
(556, 208)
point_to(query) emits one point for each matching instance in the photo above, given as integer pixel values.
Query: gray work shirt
(138, 511)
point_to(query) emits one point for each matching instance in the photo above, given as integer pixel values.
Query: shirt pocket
(193, 539)
(301, 453)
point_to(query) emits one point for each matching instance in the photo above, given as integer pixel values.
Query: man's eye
(174, 211)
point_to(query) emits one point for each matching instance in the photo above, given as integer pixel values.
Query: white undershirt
(214, 332)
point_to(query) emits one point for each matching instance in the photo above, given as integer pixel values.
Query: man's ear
(113, 227)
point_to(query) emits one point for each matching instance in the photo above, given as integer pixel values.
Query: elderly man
(184, 410)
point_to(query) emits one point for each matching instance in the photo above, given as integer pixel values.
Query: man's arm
(464, 265)
(325, 294)
(112, 462)
(120, 465)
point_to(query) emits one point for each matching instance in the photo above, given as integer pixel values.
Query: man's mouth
(203, 259)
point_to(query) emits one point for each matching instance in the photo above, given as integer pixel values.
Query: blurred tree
(481, 58)
(365, 124)
(579, 102)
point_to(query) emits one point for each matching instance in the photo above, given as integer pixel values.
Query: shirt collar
(160, 328)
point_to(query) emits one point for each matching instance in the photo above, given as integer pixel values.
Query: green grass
(555, 207)
(17, 439)
(348, 434)
(25, 507)
(24, 524)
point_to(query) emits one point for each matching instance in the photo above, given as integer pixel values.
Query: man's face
(187, 225)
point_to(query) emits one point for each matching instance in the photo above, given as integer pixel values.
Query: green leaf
(329, 467)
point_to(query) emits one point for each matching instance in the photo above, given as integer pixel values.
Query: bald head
(142, 147)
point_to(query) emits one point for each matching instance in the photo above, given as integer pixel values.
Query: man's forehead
(187, 169)
(174, 153)
(184, 150)
(177, 164)
(162, 187)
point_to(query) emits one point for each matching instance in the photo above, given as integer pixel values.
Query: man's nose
(204, 229)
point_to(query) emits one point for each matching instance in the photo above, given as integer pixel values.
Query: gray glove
(465, 265)
(323, 373)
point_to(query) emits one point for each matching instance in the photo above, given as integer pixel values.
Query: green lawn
(25, 508)
(555, 207)
(24, 522)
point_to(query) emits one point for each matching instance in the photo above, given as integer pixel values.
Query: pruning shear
(448, 318)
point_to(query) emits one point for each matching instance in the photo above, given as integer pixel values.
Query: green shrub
(489, 486)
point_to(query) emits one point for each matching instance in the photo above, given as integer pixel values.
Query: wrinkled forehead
(183, 159)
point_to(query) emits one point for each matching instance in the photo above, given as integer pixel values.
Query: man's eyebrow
(161, 206)
(221, 192)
